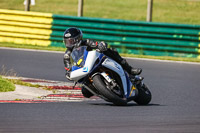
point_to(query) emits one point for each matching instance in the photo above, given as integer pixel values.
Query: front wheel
(100, 85)
(144, 95)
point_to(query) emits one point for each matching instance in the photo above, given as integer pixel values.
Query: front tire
(100, 85)
(86, 93)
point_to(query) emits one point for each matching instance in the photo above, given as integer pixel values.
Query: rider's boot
(136, 71)
(129, 69)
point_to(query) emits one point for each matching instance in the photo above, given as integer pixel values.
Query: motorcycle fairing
(130, 86)
(82, 66)
(113, 65)
(83, 71)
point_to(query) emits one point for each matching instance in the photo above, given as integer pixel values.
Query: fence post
(80, 8)
(149, 10)
(27, 5)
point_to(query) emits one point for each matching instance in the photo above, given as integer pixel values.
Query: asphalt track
(175, 106)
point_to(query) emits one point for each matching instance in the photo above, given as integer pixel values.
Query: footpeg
(137, 79)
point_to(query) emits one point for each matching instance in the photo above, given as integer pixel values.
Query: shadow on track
(128, 105)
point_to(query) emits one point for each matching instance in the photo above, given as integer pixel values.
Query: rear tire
(144, 95)
(100, 85)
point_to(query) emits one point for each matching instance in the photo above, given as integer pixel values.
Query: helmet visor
(70, 42)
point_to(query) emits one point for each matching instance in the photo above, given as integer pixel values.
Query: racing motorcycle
(105, 78)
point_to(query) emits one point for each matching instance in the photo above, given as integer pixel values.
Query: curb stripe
(36, 80)
(66, 95)
(64, 87)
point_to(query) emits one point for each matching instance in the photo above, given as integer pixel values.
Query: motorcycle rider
(73, 38)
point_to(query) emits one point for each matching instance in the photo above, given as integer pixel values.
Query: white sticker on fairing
(85, 69)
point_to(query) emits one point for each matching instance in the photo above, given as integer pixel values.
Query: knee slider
(67, 55)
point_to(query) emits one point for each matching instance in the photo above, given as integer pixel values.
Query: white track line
(167, 61)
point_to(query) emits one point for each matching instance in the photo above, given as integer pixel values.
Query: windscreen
(78, 55)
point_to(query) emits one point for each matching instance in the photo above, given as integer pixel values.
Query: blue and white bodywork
(88, 63)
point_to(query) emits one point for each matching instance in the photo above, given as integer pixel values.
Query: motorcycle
(105, 78)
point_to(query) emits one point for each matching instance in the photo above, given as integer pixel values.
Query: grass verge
(19, 82)
(9, 84)
(163, 58)
(169, 11)
(124, 55)
(6, 85)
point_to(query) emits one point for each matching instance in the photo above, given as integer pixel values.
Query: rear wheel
(144, 95)
(102, 86)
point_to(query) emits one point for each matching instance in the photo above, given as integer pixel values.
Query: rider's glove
(91, 43)
(102, 46)
(78, 44)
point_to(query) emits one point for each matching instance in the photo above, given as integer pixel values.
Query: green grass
(9, 84)
(163, 58)
(6, 85)
(168, 11)
(19, 82)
